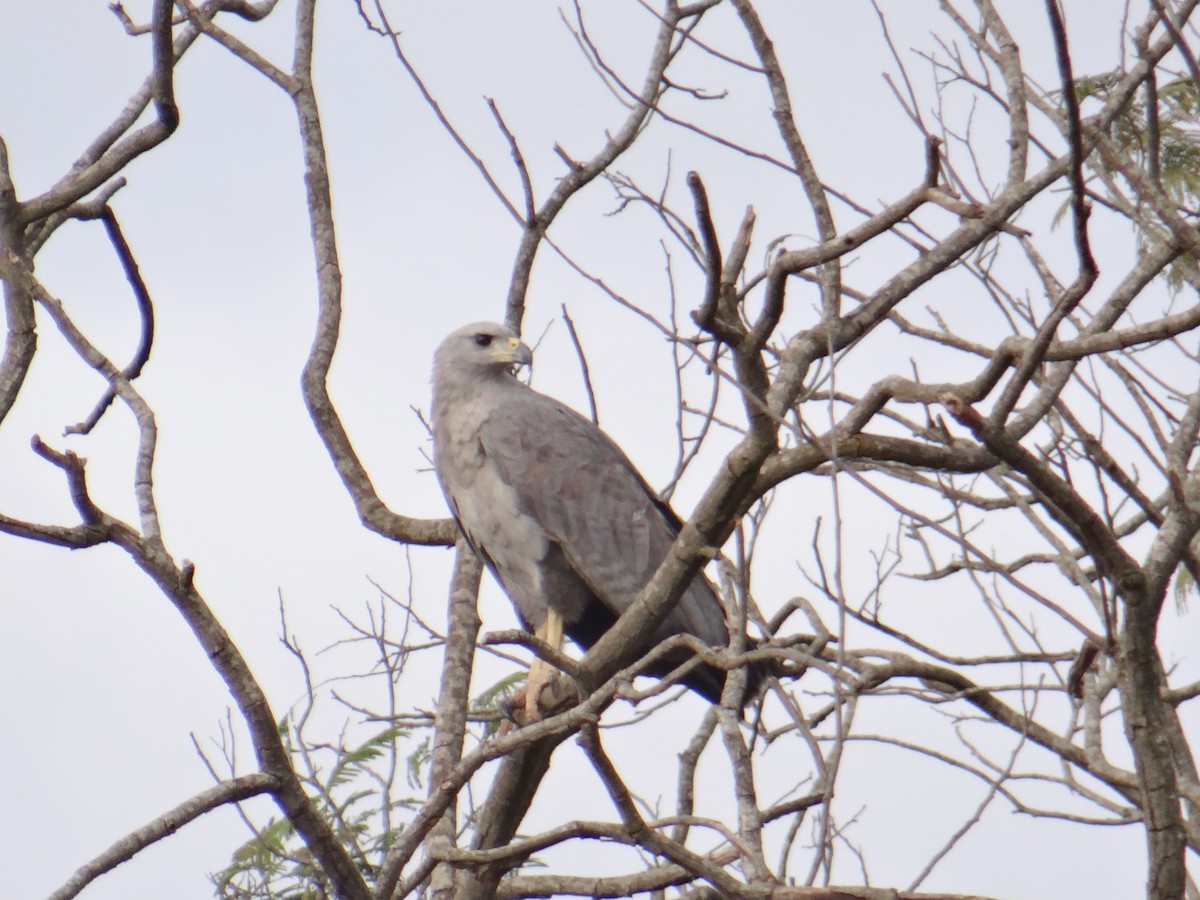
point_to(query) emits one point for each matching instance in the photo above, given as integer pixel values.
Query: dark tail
(709, 681)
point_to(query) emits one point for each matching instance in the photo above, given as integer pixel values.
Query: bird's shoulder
(534, 435)
(570, 475)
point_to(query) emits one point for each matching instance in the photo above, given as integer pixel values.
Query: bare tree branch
(233, 791)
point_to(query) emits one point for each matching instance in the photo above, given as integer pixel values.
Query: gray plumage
(552, 505)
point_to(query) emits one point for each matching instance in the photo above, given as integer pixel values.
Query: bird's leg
(541, 673)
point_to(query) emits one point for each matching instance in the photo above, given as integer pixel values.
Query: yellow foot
(529, 703)
(541, 676)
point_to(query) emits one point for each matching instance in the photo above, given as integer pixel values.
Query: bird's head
(481, 349)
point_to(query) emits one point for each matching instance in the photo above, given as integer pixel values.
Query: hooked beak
(514, 352)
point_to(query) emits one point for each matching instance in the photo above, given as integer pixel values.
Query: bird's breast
(490, 513)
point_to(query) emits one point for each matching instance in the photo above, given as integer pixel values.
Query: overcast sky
(101, 684)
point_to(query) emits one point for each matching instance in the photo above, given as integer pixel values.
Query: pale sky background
(101, 684)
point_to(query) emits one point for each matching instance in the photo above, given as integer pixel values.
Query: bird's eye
(483, 340)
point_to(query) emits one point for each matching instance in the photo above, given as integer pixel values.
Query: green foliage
(1178, 147)
(352, 762)
(264, 867)
(352, 787)
(1185, 586)
(488, 702)
(1178, 143)
(274, 863)
(417, 761)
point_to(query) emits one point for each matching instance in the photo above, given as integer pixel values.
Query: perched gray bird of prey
(554, 508)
